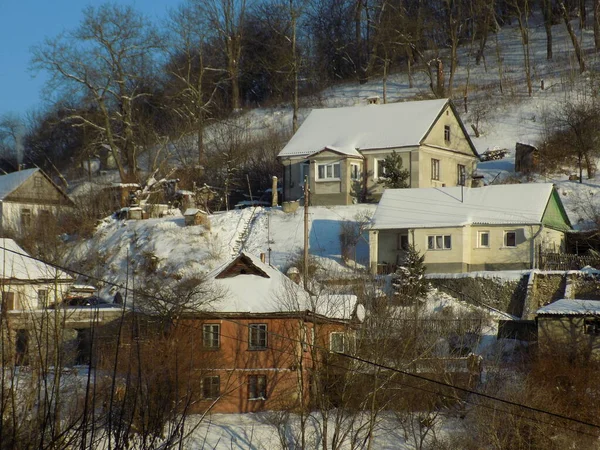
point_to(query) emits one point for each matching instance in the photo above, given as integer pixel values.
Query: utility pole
(306, 201)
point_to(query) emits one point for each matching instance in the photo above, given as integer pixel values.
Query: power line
(345, 355)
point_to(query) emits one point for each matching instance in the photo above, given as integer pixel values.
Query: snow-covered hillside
(167, 248)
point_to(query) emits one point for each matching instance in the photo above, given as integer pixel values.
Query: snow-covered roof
(267, 290)
(193, 212)
(569, 307)
(15, 264)
(456, 206)
(11, 181)
(345, 130)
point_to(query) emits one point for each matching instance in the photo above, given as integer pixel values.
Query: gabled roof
(366, 127)
(247, 285)
(568, 307)
(11, 181)
(15, 264)
(455, 206)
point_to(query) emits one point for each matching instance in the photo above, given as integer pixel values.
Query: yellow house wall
(458, 141)
(466, 254)
(558, 334)
(450, 260)
(497, 254)
(448, 167)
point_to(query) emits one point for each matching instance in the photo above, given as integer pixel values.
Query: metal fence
(566, 261)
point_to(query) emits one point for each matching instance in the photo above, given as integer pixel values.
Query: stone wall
(504, 295)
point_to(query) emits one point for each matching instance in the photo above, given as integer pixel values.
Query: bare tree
(226, 17)
(574, 126)
(190, 72)
(103, 63)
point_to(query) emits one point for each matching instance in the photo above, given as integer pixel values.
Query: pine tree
(408, 282)
(395, 177)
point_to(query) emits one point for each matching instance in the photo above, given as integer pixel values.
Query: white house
(29, 284)
(461, 229)
(340, 150)
(28, 197)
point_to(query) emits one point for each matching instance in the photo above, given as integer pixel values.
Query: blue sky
(25, 23)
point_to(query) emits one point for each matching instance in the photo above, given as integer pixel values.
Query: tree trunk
(547, 13)
(295, 105)
(578, 53)
(597, 25)
(582, 15)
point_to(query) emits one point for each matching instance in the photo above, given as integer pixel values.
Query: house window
(328, 171)
(354, 171)
(447, 133)
(257, 387)
(8, 301)
(211, 387)
(340, 342)
(439, 242)
(510, 238)
(25, 217)
(37, 182)
(484, 239)
(435, 169)
(462, 174)
(380, 166)
(42, 295)
(592, 326)
(403, 242)
(211, 336)
(257, 339)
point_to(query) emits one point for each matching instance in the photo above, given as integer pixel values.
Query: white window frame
(435, 169)
(347, 341)
(447, 133)
(399, 245)
(329, 170)
(480, 234)
(208, 384)
(506, 233)
(254, 384)
(438, 242)
(354, 167)
(258, 336)
(211, 339)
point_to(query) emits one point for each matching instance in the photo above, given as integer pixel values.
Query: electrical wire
(345, 355)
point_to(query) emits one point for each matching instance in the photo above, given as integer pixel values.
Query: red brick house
(263, 338)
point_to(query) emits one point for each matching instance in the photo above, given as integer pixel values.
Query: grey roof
(11, 181)
(456, 206)
(345, 130)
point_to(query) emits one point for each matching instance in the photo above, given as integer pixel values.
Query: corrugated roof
(569, 307)
(12, 181)
(456, 206)
(364, 127)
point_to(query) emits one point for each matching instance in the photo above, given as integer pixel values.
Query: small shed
(526, 158)
(195, 216)
(570, 325)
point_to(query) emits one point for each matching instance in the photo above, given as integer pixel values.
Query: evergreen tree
(395, 177)
(408, 282)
